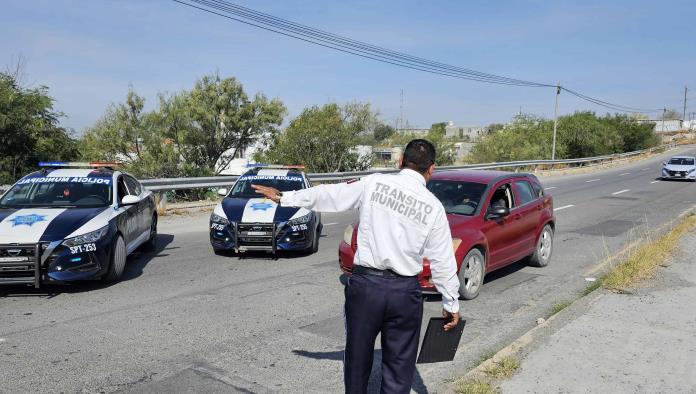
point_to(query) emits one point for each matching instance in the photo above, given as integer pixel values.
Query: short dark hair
(419, 155)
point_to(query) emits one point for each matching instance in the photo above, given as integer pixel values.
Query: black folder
(438, 344)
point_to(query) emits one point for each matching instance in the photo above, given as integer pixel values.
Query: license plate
(257, 233)
(13, 259)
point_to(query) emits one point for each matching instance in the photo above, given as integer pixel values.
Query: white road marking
(621, 191)
(329, 224)
(563, 207)
(552, 187)
(654, 182)
(593, 180)
(646, 169)
(625, 173)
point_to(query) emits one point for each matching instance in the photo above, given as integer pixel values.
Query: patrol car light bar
(276, 166)
(77, 164)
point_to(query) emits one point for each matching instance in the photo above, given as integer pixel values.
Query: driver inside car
(498, 199)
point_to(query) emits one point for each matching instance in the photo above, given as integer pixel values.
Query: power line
(307, 31)
(325, 39)
(617, 107)
(353, 49)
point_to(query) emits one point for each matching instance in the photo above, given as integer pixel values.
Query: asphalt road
(185, 320)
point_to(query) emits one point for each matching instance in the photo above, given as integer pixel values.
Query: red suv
(496, 219)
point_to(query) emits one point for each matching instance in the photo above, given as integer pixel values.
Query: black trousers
(393, 307)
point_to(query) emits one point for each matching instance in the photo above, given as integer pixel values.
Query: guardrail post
(161, 200)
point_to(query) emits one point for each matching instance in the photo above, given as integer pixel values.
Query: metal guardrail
(163, 184)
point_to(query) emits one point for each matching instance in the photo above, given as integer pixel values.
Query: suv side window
(134, 187)
(525, 192)
(503, 196)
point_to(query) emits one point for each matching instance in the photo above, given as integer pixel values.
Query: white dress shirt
(401, 222)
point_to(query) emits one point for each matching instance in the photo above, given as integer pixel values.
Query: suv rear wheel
(544, 247)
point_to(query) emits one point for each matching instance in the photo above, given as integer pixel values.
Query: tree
(383, 131)
(321, 138)
(29, 129)
(585, 135)
(119, 135)
(582, 134)
(671, 114)
(438, 128)
(192, 133)
(634, 135)
(444, 149)
(495, 127)
(527, 137)
(216, 120)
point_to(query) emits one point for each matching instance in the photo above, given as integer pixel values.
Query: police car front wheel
(118, 260)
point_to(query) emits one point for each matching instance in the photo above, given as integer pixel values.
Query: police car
(71, 222)
(245, 221)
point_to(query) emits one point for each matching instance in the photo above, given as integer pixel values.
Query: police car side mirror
(497, 211)
(130, 200)
(222, 192)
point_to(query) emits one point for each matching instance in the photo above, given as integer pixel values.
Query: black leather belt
(359, 269)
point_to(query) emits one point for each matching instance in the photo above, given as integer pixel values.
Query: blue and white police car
(244, 221)
(71, 222)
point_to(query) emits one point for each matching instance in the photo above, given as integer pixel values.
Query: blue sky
(637, 53)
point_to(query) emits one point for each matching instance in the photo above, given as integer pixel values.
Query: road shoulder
(644, 341)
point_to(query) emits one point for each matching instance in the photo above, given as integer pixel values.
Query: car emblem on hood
(260, 206)
(27, 220)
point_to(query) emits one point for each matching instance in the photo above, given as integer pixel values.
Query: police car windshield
(48, 192)
(283, 183)
(682, 161)
(459, 198)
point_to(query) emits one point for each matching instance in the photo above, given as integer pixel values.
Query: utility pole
(664, 113)
(684, 115)
(401, 107)
(555, 122)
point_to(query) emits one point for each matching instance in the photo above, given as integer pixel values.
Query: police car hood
(31, 225)
(258, 210)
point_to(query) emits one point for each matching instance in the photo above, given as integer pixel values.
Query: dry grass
(474, 386)
(485, 356)
(503, 368)
(593, 286)
(559, 306)
(641, 262)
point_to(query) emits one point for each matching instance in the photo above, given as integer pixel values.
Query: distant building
(472, 133)
(666, 126)
(417, 132)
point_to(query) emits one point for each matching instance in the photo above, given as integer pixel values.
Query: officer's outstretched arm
(327, 198)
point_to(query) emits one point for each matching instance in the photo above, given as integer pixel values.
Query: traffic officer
(401, 222)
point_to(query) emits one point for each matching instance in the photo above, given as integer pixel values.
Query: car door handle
(517, 216)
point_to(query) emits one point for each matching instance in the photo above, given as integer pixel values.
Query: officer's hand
(270, 193)
(452, 319)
